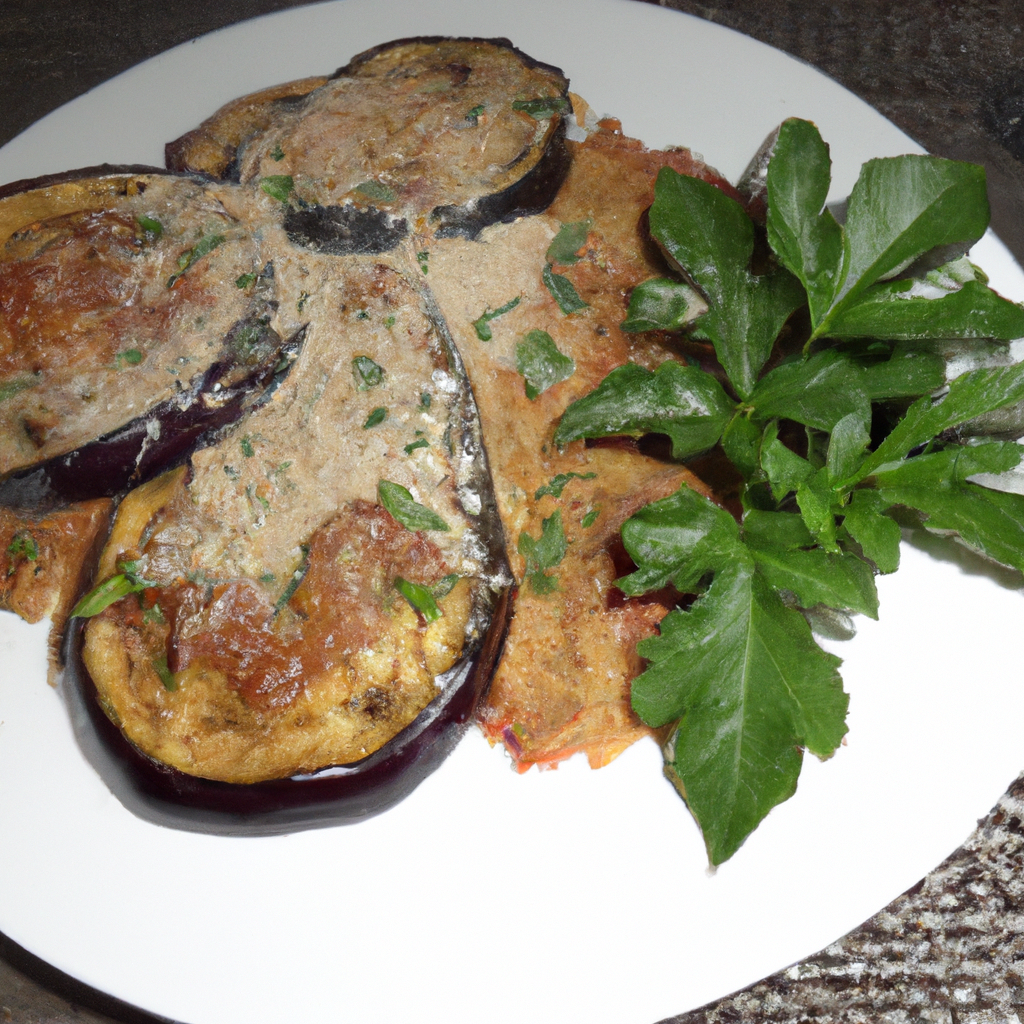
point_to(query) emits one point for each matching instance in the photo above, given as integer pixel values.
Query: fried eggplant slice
(460, 132)
(134, 315)
(311, 589)
(210, 149)
(532, 345)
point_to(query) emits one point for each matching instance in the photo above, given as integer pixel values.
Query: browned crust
(210, 149)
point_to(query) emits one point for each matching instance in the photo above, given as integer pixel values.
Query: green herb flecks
(420, 597)
(565, 246)
(557, 484)
(590, 518)
(10, 388)
(543, 553)
(294, 580)
(23, 545)
(563, 291)
(244, 280)
(278, 186)
(129, 357)
(420, 442)
(151, 227)
(543, 107)
(367, 373)
(277, 153)
(541, 364)
(423, 259)
(376, 417)
(377, 191)
(128, 581)
(399, 501)
(204, 246)
(852, 420)
(482, 324)
(444, 586)
(161, 668)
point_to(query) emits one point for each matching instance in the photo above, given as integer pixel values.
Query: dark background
(951, 75)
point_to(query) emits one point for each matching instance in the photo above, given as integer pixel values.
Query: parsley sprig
(829, 436)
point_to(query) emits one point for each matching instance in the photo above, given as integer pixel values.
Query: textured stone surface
(951, 75)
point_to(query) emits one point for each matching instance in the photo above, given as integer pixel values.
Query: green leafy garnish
(376, 190)
(543, 107)
(22, 545)
(10, 388)
(409, 512)
(563, 291)
(277, 153)
(150, 226)
(244, 280)
(420, 442)
(294, 580)
(278, 186)
(482, 324)
(565, 246)
(205, 245)
(367, 373)
(420, 597)
(376, 417)
(127, 581)
(853, 420)
(543, 553)
(129, 357)
(163, 671)
(445, 585)
(541, 364)
(660, 304)
(556, 484)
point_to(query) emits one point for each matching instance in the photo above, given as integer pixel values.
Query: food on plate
(123, 334)
(490, 367)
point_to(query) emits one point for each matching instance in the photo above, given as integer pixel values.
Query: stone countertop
(951, 75)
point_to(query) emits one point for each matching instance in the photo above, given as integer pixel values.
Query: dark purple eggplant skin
(344, 230)
(342, 795)
(320, 229)
(107, 466)
(100, 170)
(531, 194)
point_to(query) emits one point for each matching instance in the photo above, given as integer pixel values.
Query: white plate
(568, 896)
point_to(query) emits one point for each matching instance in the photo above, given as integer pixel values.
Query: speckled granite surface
(951, 75)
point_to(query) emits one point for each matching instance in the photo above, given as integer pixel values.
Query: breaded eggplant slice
(321, 588)
(460, 132)
(210, 149)
(563, 684)
(134, 315)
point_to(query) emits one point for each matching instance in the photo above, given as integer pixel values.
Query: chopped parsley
(541, 364)
(367, 373)
(482, 324)
(376, 417)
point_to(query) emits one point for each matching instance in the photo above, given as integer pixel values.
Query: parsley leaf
(410, 513)
(543, 553)
(541, 364)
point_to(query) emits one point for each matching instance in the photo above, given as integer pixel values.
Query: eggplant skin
(210, 149)
(471, 141)
(147, 445)
(344, 230)
(340, 795)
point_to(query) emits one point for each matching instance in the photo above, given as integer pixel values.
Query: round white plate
(569, 896)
